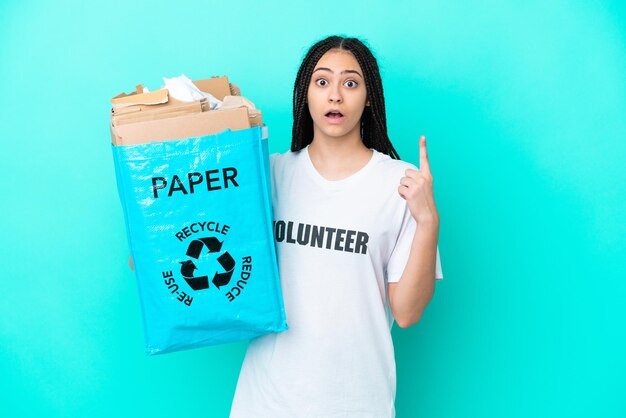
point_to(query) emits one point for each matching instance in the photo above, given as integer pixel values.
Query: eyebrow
(343, 72)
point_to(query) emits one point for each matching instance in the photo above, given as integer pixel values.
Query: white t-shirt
(338, 243)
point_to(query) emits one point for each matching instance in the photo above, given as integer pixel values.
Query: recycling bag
(199, 224)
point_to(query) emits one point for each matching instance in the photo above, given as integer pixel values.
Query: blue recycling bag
(198, 215)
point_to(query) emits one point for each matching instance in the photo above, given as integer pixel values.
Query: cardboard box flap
(135, 98)
(154, 112)
(171, 103)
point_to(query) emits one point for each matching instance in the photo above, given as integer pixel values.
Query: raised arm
(409, 297)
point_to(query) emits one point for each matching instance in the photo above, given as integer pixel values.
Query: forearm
(417, 283)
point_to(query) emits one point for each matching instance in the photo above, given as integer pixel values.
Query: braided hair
(373, 120)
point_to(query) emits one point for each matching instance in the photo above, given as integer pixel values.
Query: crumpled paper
(182, 88)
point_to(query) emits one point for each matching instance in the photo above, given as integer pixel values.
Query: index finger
(424, 164)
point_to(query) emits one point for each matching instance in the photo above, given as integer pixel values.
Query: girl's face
(337, 95)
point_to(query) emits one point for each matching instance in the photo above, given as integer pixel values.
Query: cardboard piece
(186, 126)
(217, 86)
(255, 117)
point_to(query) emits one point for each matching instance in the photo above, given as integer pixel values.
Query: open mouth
(334, 115)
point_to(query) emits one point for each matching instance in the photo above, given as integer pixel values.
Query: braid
(302, 131)
(373, 120)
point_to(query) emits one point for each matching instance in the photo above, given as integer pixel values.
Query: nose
(334, 95)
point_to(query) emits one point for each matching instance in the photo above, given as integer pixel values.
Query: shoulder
(280, 162)
(278, 158)
(390, 167)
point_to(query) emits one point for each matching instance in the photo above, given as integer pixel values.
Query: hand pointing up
(416, 187)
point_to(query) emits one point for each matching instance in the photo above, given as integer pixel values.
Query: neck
(331, 149)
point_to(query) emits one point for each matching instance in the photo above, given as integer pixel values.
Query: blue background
(523, 105)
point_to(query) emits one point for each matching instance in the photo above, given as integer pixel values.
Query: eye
(321, 82)
(351, 84)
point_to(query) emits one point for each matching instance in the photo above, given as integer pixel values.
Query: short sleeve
(402, 249)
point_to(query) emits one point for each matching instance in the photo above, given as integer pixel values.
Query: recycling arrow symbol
(188, 268)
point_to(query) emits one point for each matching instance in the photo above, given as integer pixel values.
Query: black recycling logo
(195, 251)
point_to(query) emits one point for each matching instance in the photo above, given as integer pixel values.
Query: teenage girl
(356, 232)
